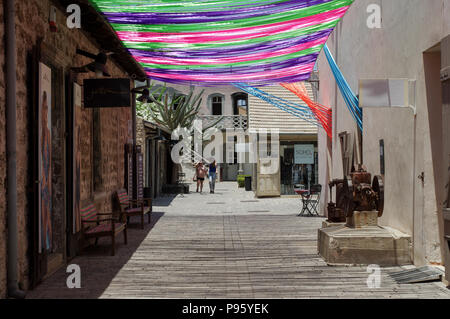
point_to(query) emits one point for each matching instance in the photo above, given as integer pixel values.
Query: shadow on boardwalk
(98, 267)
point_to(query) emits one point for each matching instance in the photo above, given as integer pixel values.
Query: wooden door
(268, 176)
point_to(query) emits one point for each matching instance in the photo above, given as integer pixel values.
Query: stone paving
(195, 249)
(227, 200)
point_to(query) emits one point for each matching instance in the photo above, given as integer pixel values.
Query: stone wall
(31, 23)
(2, 165)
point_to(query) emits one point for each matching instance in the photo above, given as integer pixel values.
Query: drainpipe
(133, 115)
(10, 65)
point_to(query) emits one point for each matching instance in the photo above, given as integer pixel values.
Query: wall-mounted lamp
(98, 66)
(144, 92)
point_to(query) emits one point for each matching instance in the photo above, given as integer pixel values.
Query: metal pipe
(10, 68)
(133, 115)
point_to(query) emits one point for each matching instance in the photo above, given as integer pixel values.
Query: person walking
(212, 176)
(200, 172)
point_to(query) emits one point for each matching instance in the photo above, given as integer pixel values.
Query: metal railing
(228, 121)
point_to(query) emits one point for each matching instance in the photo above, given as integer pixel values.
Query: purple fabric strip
(289, 79)
(242, 70)
(233, 50)
(204, 17)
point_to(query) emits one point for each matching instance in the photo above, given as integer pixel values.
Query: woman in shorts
(200, 172)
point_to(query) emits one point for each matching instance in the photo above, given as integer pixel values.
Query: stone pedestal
(362, 242)
(327, 223)
(342, 245)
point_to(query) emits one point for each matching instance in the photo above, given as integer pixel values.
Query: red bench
(96, 225)
(130, 207)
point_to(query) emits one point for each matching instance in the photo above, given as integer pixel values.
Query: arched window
(240, 103)
(216, 102)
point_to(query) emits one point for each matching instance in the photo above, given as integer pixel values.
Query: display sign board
(45, 158)
(381, 93)
(304, 154)
(107, 93)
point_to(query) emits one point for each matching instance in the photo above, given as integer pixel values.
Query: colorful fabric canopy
(322, 113)
(215, 42)
(350, 99)
(298, 110)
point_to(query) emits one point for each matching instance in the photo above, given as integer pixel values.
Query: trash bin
(248, 183)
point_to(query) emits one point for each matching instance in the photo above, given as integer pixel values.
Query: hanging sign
(304, 154)
(384, 93)
(107, 93)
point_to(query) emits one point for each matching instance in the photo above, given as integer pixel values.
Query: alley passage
(225, 245)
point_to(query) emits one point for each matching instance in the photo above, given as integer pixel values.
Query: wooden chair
(94, 226)
(130, 207)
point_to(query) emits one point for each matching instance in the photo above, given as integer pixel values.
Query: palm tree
(171, 112)
(176, 111)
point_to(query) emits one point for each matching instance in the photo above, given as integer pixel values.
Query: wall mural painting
(45, 157)
(77, 158)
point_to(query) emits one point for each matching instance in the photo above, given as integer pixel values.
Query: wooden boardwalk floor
(258, 256)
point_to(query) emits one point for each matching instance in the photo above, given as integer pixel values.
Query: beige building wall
(263, 115)
(409, 29)
(205, 106)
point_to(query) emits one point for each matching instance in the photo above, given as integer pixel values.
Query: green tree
(171, 111)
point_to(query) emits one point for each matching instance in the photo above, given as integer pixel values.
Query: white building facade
(413, 43)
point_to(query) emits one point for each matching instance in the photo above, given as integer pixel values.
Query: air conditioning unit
(387, 93)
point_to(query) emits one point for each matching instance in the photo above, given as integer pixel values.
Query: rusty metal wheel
(378, 188)
(348, 196)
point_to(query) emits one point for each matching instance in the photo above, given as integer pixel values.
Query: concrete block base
(342, 245)
(363, 219)
(327, 223)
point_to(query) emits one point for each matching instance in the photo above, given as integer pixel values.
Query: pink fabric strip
(234, 59)
(233, 34)
(296, 70)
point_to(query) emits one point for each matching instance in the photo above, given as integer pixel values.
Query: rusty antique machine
(357, 192)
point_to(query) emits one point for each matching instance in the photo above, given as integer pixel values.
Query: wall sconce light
(98, 66)
(144, 92)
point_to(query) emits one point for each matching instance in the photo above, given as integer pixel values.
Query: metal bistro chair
(311, 200)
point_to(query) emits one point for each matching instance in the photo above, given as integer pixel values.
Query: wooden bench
(130, 207)
(96, 225)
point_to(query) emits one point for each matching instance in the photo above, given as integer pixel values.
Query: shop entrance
(299, 166)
